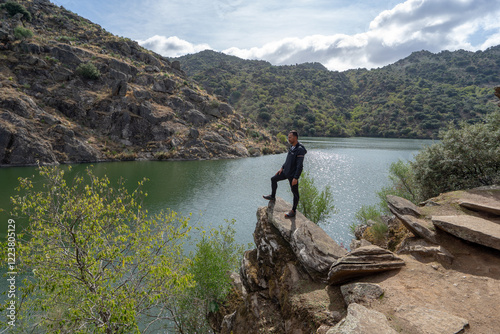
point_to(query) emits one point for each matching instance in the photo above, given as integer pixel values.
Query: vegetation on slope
(412, 98)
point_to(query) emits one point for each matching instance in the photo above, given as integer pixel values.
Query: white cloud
(413, 25)
(172, 46)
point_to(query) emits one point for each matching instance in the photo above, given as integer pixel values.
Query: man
(291, 170)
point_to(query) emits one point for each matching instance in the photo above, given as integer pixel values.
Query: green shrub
(22, 33)
(217, 254)
(13, 8)
(376, 233)
(315, 205)
(88, 71)
(466, 157)
(368, 212)
(282, 138)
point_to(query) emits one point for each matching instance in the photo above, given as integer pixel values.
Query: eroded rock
(363, 261)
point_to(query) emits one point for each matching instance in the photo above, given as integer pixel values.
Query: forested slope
(412, 98)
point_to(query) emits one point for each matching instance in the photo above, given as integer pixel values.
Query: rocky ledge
(441, 279)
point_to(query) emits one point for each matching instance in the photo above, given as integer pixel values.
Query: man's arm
(300, 163)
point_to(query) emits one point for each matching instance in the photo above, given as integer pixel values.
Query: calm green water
(213, 191)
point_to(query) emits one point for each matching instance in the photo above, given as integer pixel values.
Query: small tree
(402, 184)
(96, 263)
(315, 205)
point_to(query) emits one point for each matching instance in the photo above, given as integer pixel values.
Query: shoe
(269, 197)
(290, 214)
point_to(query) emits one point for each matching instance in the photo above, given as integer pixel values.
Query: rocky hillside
(72, 92)
(412, 98)
(443, 277)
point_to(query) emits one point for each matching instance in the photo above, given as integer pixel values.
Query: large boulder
(361, 262)
(314, 249)
(362, 320)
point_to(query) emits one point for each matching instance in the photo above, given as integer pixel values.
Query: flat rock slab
(485, 232)
(363, 261)
(315, 250)
(402, 206)
(362, 320)
(482, 199)
(428, 321)
(487, 205)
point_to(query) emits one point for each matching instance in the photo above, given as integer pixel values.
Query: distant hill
(412, 98)
(72, 92)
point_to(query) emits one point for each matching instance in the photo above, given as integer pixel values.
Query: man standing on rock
(291, 170)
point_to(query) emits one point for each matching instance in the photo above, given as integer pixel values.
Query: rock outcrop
(444, 284)
(472, 215)
(313, 248)
(283, 278)
(76, 93)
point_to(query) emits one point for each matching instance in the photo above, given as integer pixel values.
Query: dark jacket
(292, 168)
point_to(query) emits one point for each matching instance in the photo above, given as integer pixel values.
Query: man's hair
(295, 133)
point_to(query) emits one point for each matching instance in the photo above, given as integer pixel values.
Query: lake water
(354, 168)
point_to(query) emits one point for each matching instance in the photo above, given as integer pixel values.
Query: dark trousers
(295, 189)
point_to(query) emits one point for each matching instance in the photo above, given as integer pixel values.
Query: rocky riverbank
(443, 276)
(72, 92)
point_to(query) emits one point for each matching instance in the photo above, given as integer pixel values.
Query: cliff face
(74, 93)
(445, 277)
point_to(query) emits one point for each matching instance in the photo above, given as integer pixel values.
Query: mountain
(412, 98)
(72, 92)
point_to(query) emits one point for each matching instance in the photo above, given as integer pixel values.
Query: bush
(22, 33)
(216, 256)
(467, 157)
(315, 205)
(88, 71)
(376, 233)
(366, 213)
(13, 8)
(282, 138)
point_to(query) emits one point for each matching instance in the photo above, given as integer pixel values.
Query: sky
(340, 34)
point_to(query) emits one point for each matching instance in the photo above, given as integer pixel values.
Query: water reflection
(355, 168)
